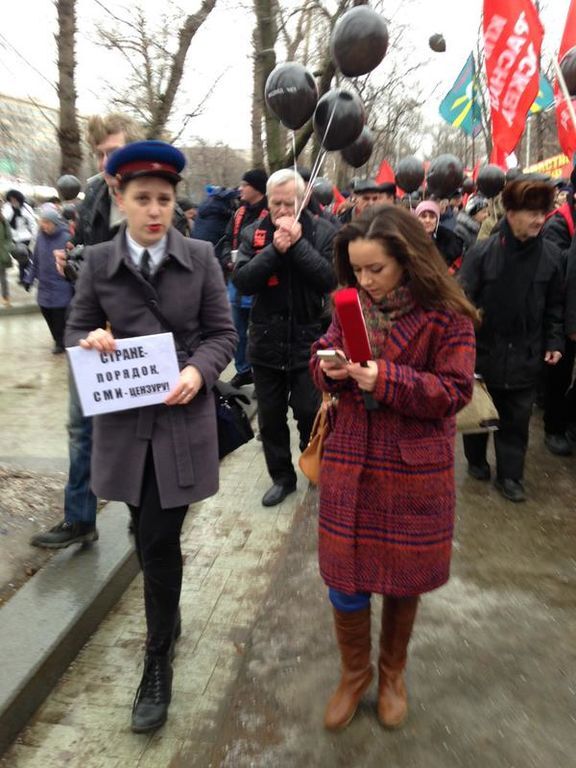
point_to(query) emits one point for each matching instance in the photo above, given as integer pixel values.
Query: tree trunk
(68, 130)
(267, 28)
(258, 105)
(185, 36)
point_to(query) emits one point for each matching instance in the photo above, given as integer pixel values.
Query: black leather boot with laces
(150, 709)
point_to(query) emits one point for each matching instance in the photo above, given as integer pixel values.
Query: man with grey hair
(285, 262)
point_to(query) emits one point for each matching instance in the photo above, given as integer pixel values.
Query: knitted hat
(475, 204)
(428, 205)
(49, 212)
(257, 179)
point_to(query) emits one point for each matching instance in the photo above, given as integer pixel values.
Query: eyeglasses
(104, 154)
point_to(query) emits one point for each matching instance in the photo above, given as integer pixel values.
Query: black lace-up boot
(153, 696)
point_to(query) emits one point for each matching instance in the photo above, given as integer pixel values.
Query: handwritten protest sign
(140, 371)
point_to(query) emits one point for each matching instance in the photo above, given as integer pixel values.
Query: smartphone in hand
(332, 355)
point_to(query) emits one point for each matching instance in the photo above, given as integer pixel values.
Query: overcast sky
(222, 48)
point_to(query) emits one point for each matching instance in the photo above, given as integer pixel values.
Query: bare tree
(445, 139)
(156, 58)
(218, 164)
(68, 129)
(392, 105)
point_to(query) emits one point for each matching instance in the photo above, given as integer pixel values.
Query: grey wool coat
(183, 438)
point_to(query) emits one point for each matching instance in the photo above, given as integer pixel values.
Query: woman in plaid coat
(387, 492)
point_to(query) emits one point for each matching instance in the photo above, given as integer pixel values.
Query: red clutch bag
(357, 343)
(349, 311)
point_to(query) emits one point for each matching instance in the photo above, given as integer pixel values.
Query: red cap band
(146, 165)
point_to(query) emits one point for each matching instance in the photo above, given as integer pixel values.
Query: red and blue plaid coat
(387, 492)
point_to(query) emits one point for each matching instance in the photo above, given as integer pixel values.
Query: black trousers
(157, 537)
(559, 398)
(56, 321)
(511, 440)
(275, 391)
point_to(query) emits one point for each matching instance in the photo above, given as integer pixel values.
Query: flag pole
(564, 89)
(528, 139)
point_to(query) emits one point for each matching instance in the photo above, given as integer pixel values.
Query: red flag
(475, 171)
(566, 128)
(498, 157)
(512, 40)
(338, 199)
(385, 173)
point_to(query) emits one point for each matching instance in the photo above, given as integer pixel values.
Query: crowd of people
(248, 275)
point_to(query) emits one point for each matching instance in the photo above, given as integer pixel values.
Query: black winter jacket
(252, 214)
(449, 244)
(289, 292)
(556, 227)
(515, 365)
(467, 229)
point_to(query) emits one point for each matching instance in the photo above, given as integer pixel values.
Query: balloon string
(317, 164)
(313, 176)
(293, 134)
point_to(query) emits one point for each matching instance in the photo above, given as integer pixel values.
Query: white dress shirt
(156, 252)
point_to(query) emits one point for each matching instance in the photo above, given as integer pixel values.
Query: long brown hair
(404, 238)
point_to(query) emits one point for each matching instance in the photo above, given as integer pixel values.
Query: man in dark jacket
(366, 193)
(516, 278)
(559, 399)
(253, 206)
(214, 214)
(286, 264)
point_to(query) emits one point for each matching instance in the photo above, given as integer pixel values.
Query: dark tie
(145, 263)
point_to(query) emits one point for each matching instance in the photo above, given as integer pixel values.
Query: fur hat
(257, 179)
(475, 204)
(528, 193)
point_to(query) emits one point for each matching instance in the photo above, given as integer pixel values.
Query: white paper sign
(141, 371)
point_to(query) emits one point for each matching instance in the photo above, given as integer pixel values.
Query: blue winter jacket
(53, 290)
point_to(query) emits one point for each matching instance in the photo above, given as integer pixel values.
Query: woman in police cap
(161, 458)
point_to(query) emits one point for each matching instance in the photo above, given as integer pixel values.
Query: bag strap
(152, 301)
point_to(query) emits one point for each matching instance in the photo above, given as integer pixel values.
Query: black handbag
(234, 428)
(21, 253)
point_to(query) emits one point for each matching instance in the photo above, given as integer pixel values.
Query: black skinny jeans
(56, 321)
(157, 537)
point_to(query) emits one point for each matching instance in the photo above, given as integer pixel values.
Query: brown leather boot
(398, 616)
(353, 635)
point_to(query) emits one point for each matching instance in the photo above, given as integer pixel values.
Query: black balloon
(445, 175)
(468, 185)
(291, 94)
(437, 43)
(338, 119)
(568, 68)
(359, 41)
(68, 187)
(323, 190)
(512, 174)
(409, 173)
(490, 180)
(358, 153)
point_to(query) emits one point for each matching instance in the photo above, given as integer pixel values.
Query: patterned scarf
(381, 316)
